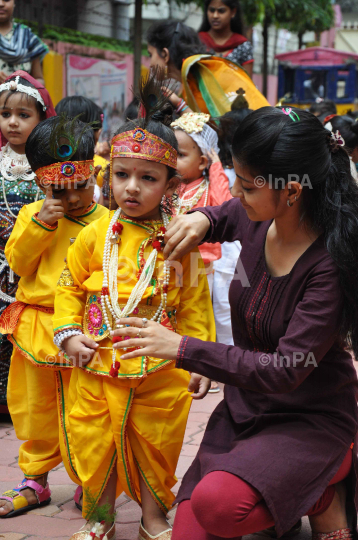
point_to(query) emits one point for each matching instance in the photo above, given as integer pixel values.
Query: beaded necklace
(110, 279)
(14, 167)
(183, 204)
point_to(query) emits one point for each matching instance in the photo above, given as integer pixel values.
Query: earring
(295, 198)
(166, 72)
(289, 203)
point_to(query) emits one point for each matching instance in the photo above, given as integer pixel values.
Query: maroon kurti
(289, 413)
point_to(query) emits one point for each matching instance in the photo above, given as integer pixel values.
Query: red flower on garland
(114, 370)
(117, 339)
(165, 288)
(117, 228)
(105, 291)
(157, 245)
(162, 230)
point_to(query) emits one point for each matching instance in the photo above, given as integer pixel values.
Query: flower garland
(110, 285)
(97, 532)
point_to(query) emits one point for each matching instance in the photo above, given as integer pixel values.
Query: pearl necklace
(183, 204)
(110, 281)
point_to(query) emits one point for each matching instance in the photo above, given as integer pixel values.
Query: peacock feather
(64, 140)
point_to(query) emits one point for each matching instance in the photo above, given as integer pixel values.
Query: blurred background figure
(323, 108)
(20, 48)
(222, 31)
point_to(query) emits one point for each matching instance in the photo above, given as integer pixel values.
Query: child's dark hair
(87, 110)
(30, 99)
(236, 22)
(228, 124)
(323, 108)
(348, 128)
(38, 150)
(180, 40)
(268, 142)
(131, 112)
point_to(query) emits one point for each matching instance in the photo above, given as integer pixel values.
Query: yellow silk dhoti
(36, 400)
(136, 426)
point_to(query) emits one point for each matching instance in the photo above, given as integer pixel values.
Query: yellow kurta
(137, 420)
(36, 253)
(99, 160)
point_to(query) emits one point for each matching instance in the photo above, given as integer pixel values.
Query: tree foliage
(298, 16)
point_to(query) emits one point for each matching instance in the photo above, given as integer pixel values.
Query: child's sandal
(20, 503)
(144, 535)
(84, 535)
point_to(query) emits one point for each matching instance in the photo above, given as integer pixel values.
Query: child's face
(18, 118)
(191, 162)
(75, 198)
(139, 185)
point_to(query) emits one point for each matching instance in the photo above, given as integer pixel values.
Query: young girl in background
(222, 31)
(204, 182)
(128, 421)
(24, 102)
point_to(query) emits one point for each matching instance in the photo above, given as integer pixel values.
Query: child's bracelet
(61, 336)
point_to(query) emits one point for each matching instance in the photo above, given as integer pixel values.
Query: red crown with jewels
(140, 144)
(67, 171)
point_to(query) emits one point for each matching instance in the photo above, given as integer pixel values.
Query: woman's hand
(152, 338)
(200, 385)
(79, 349)
(185, 233)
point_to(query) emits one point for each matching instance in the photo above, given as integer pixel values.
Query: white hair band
(15, 86)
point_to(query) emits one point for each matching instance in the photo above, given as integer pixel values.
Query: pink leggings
(224, 506)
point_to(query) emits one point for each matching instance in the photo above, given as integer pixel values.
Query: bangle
(61, 336)
(184, 108)
(180, 106)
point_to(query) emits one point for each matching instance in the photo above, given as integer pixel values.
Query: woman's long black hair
(180, 40)
(236, 22)
(269, 142)
(348, 128)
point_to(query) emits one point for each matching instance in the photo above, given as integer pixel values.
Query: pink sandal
(43, 495)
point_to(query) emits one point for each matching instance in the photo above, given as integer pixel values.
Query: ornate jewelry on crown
(110, 279)
(67, 171)
(140, 144)
(15, 86)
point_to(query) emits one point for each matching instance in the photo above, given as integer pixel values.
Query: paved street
(61, 519)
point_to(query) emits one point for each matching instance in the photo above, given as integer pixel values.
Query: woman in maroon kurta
(278, 446)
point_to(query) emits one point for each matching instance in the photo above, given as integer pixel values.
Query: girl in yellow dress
(128, 419)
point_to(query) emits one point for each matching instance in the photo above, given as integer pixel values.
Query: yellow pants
(136, 426)
(36, 399)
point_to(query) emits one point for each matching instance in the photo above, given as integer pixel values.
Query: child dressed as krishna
(128, 421)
